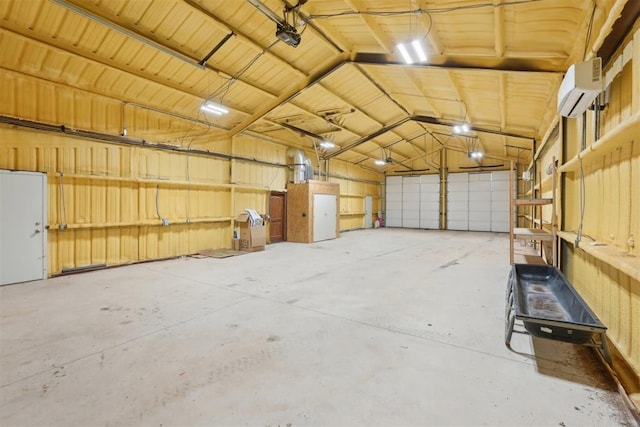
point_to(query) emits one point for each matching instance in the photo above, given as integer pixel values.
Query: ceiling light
(214, 108)
(414, 54)
(476, 154)
(405, 53)
(463, 128)
(380, 162)
(327, 144)
(417, 47)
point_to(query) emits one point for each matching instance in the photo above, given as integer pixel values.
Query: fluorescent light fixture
(463, 128)
(417, 47)
(416, 50)
(380, 162)
(476, 154)
(405, 53)
(327, 144)
(214, 108)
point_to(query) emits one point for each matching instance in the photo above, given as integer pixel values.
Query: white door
(458, 201)
(23, 236)
(430, 201)
(411, 202)
(480, 201)
(393, 199)
(368, 212)
(500, 201)
(325, 209)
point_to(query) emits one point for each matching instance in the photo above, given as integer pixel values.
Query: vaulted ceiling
(493, 64)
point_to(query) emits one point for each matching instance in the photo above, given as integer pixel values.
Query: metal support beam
(290, 94)
(467, 63)
(369, 137)
(437, 121)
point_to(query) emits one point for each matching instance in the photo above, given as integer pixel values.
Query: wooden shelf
(627, 263)
(626, 131)
(528, 259)
(531, 234)
(544, 184)
(532, 202)
(351, 213)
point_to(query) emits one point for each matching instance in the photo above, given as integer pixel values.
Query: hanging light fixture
(327, 144)
(214, 108)
(463, 128)
(412, 52)
(380, 162)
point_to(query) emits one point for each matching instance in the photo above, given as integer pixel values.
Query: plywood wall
(105, 200)
(605, 266)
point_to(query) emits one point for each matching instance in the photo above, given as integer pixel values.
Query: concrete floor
(380, 327)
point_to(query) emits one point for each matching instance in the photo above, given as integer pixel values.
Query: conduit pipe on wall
(125, 140)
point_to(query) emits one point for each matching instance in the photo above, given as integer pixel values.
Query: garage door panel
(480, 216)
(458, 225)
(484, 187)
(480, 205)
(500, 226)
(479, 177)
(477, 197)
(430, 198)
(500, 186)
(500, 206)
(394, 197)
(479, 225)
(478, 201)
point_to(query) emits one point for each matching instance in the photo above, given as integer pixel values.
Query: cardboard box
(235, 244)
(252, 239)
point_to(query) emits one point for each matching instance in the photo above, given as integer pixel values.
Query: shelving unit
(535, 235)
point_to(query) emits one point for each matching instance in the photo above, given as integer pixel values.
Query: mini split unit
(580, 86)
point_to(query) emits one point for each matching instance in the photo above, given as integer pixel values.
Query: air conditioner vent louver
(581, 85)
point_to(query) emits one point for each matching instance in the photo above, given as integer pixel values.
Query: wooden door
(277, 213)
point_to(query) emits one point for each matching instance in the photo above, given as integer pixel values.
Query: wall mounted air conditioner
(580, 86)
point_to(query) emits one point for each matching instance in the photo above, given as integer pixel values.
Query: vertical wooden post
(511, 207)
(443, 188)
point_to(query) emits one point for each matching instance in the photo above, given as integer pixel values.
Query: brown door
(278, 221)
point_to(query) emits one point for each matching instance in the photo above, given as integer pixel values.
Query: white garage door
(458, 201)
(430, 201)
(394, 201)
(500, 201)
(413, 201)
(478, 201)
